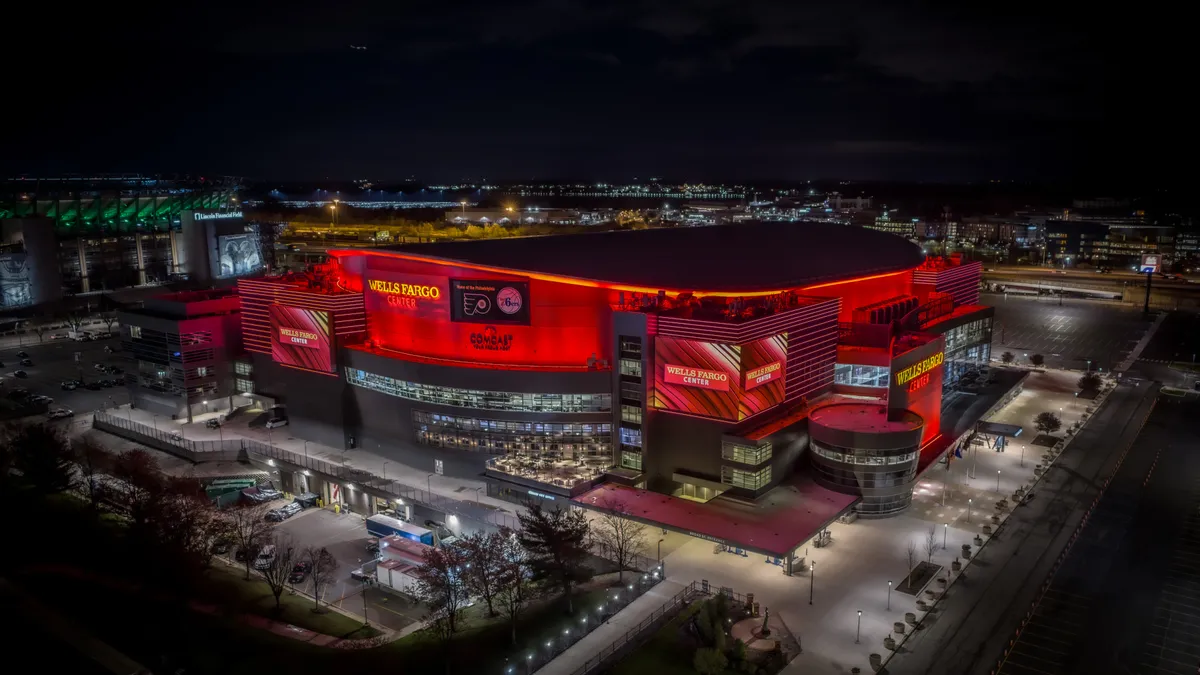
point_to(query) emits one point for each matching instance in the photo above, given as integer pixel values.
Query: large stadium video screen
(711, 379)
(238, 255)
(302, 338)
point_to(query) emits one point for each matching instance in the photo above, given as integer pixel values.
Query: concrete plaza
(820, 605)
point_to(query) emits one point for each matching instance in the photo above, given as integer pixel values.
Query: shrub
(709, 661)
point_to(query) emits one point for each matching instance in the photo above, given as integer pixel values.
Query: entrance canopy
(997, 429)
(775, 525)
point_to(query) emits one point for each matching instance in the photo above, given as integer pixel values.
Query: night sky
(685, 90)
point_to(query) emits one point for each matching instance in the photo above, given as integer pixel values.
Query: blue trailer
(380, 525)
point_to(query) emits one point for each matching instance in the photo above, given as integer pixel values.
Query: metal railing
(234, 449)
(635, 636)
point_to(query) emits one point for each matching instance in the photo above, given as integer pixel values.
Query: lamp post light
(858, 633)
(889, 595)
(478, 499)
(463, 204)
(1022, 454)
(969, 511)
(945, 531)
(812, 575)
(997, 480)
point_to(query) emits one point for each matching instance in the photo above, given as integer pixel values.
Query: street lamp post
(889, 596)
(968, 511)
(945, 531)
(1022, 454)
(477, 497)
(385, 469)
(858, 633)
(306, 453)
(974, 458)
(366, 622)
(812, 575)
(660, 541)
(429, 487)
(997, 480)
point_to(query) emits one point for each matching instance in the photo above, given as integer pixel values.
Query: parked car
(240, 555)
(299, 572)
(108, 349)
(220, 547)
(266, 557)
(69, 385)
(276, 422)
(213, 423)
(307, 500)
(360, 575)
(93, 386)
(107, 384)
(60, 413)
(23, 354)
(20, 373)
(42, 399)
(275, 516)
(99, 366)
(27, 363)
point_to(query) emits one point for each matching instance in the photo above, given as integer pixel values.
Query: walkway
(599, 640)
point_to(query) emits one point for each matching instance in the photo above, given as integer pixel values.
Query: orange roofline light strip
(576, 281)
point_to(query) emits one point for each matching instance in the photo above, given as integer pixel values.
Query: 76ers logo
(509, 300)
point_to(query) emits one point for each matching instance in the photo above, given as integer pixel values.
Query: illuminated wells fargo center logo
(406, 295)
(298, 337)
(492, 340)
(919, 369)
(696, 377)
(757, 377)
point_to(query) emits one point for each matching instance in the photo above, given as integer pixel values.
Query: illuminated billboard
(398, 293)
(711, 379)
(489, 301)
(301, 338)
(238, 255)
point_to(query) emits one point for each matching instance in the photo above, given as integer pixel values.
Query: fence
(242, 448)
(635, 636)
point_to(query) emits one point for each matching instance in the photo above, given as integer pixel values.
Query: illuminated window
(631, 460)
(565, 440)
(202, 371)
(135, 332)
(243, 368)
(479, 399)
(751, 480)
(746, 454)
(631, 413)
(631, 367)
(631, 437)
(860, 376)
(243, 385)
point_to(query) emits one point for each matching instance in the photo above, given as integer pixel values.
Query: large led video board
(302, 338)
(490, 301)
(725, 381)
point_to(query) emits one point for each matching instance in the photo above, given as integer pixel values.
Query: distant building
(901, 227)
(1125, 245)
(837, 201)
(527, 216)
(1079, 241)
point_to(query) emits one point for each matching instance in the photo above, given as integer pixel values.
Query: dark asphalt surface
(1067, 335)
(1127, 597)
(968, 632)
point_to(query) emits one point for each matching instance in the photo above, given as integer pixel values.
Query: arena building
(681, 372)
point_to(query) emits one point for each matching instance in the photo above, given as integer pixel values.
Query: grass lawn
(666, 653)
(229, 589)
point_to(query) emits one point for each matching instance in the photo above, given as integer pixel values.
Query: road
(1127, 597)
(976, 620)
(1048, 274)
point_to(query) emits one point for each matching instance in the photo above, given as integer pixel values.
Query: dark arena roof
(723, 258)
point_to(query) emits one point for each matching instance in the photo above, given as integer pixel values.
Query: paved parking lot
(345, 536)
(54, 361)
(1067, 335)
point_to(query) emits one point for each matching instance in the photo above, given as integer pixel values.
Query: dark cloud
(703, 89)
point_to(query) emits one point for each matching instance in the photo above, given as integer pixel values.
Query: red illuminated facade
(551, 377)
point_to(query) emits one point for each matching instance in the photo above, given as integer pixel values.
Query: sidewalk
(612, 630)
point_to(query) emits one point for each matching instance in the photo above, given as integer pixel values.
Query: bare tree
(623, 537)
(321, 567)
(248, 527)
(912, 561)
(91, 458)
(276, 574)
(109, 318)
(483, 552)
(514, 583)
(930, 543)
(443, 590)
(40, 329)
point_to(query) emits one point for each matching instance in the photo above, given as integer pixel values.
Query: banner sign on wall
(489, 301)
(711, 379)
(301, 338)
(394, 292)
